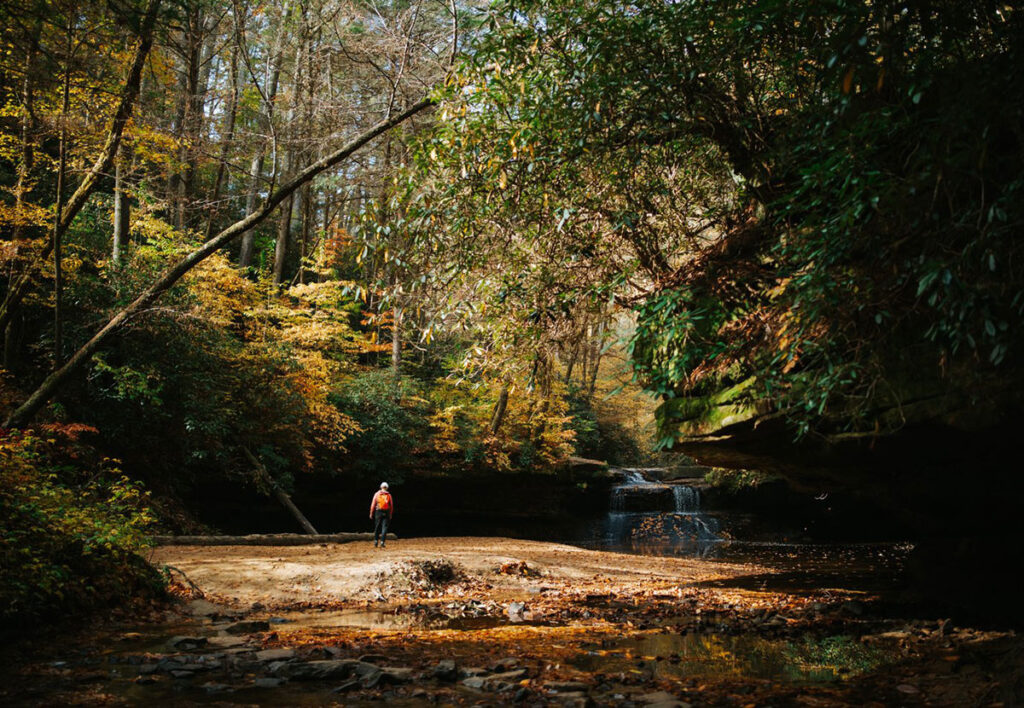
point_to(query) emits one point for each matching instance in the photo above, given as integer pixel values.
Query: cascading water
(644, 514)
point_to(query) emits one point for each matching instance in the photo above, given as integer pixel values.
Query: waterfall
(644, 513)
(687, 498)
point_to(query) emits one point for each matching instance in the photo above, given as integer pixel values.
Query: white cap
(383, 485)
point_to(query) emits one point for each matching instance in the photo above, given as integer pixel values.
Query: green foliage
(71, 528)
(825, 195)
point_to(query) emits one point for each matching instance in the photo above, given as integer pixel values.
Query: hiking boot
(375, 544)
(382, 545)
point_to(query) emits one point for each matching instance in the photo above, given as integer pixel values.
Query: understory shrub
(71, 529)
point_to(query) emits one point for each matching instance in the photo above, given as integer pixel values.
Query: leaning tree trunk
(286, 501)
(54, 381)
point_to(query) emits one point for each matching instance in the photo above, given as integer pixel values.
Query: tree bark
(265, 539)
(277, 58)
(282, 497)
(122, 209)
(52, 383)
(229, 136)
(19, 288)
(56, 234)
(499, 410)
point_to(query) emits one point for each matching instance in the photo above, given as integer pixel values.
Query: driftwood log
(265, 539)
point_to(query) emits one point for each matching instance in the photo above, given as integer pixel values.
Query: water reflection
(679, 656)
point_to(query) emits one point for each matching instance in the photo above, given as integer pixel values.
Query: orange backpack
(384, 501)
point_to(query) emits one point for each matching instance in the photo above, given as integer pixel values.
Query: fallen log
(265, 539)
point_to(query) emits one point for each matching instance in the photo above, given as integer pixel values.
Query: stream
(811, 628)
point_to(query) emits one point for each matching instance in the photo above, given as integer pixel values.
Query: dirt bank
(351, 572)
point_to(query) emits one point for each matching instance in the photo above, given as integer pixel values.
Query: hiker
(381, 509)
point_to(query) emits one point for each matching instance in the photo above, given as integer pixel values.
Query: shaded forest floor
(488, 621)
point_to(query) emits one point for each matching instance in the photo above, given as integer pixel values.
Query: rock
(269, 682)
(445, 670)
(275, 654)
(145, 680)
(474, 682)
(147, 669)
(225, 642)
(495, 682)
(182, 673)
(515, 610)
(211, 687)
(506, 664)
(187, 643)
(661, 699)
(470, 671)
(247, 627)
(565, 686)
(324, 670)
(347, 686)
(373, 658)
(395, 674)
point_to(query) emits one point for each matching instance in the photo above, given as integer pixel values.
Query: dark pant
(381, 519)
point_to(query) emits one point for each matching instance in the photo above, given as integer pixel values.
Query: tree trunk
(229, 136)
(17, 290)
(285, 500)
(284, 225)
(56, 233)
(499, 410)
(256, 170)
(52, 383)
(27, 150)
(122, 209)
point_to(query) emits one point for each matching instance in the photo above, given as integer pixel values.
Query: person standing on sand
(381, 508)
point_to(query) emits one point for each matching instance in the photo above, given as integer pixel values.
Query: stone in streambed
(186, 643)
(247, 627)
(495, 682)
(661, 699)
(445, 670)
(565, 686)
(269, 682)
(324, 670)
(275, 654)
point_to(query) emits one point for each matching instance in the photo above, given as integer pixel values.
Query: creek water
(649, 517)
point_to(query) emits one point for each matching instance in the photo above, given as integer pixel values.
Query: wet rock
(471, 671)
(347, 686)
(661, 699)
(495, 682)
(187, 643)
(445, 670)
(247, 627)
(328, 669)
(211, 687)
(269, 682)
(225, 642)
(147, 669)
(565, 686)
(373, 658)
(275, 654)
(474, 682)
(506, 664)
(182, 673)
